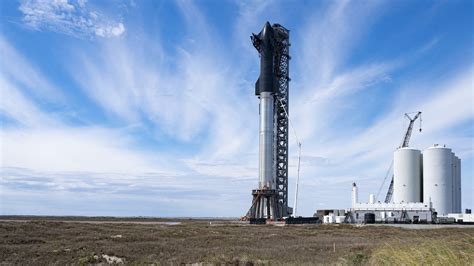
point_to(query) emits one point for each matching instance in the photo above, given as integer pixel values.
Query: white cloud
(109, 31)
(98, 159)
(251, 13)
(69, 17)
(16, 68)
(197, 98)
(41, 143)
(15, 106)
(74, 149)
(329, 36)
(82, 3)
(364, 156)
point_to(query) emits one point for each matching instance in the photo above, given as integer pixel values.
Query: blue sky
(147, 107)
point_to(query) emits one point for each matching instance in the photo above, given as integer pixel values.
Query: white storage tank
(371, 198)
(355, 195)
(438, 178)
(407, 175)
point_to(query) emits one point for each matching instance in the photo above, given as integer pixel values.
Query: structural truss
(282, 58)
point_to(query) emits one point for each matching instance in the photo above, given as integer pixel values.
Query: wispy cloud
(60, 159)
(197, 98)
(39, 151)
(251, 13)
(328, 38)
(73, 18)
(92, 193)
(25, 75)
(15, 106)
(74, 149)
(322, 79)
(367, 153)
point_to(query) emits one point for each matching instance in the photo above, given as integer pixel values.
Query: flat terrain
(52, 240)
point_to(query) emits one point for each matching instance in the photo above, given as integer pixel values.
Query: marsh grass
(432, 252)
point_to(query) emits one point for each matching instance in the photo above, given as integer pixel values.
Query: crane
(406, 139)
(404, 143)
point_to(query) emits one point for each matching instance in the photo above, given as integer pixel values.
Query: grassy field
(146, 241)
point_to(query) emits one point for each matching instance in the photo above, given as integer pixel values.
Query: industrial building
(425, 186)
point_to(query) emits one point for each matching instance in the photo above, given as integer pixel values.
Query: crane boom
(406, 140)
(404, 144)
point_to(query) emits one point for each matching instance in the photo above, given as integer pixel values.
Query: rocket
(270, 200)
(265, 88)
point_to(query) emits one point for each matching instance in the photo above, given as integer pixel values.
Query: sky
(147, 108)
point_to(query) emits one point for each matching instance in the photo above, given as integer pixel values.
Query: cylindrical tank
(355, 195)
(437, 178)
(407, 175)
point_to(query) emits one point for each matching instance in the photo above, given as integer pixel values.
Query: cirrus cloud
(72, 18)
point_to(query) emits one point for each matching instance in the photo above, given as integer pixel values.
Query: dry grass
(432, 252)
(52, 242)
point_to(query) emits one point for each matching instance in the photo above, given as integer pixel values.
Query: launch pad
(264, 203)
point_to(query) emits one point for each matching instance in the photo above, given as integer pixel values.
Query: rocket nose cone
(267, 30)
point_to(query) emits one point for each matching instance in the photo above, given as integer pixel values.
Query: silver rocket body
(265, 89)
(266, 149)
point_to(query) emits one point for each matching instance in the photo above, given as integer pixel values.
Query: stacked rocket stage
(270, 199)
